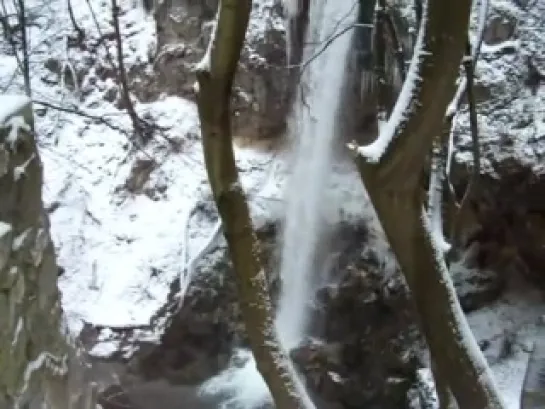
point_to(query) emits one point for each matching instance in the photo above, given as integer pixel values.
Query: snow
(5, 229)
(121, 251)
(19, 171)
(15, 125)
(10, 105)
(520, 311)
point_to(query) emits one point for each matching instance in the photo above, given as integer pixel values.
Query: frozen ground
(121, 251)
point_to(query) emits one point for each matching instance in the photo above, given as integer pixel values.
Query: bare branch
(397, 45)
(462, 207)
(379, 57)
(141, 127)
(21, 13)
(77, 28)
(465, 88)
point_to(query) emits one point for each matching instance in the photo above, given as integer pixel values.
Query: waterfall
(313, 133)
(313, 130)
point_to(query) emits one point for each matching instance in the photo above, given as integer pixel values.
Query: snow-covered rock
(508, 202)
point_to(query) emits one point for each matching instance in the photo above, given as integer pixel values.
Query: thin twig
(77, 111)
(140, 126)
(474, 130)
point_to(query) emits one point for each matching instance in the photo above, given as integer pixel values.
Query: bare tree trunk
(21, 12)
(137, 123)
(215, 75)
(391, 167)
(79, 30)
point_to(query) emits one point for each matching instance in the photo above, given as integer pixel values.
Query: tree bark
(215, 76)
(392, 181)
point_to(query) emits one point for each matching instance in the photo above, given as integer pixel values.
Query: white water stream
(313, 131)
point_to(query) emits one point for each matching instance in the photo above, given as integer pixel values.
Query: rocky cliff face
(509, 206)
(32, 349)
(263, 83)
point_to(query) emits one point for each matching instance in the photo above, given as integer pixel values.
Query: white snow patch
(10, 105)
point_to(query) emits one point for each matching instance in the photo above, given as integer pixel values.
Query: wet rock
(366, 353)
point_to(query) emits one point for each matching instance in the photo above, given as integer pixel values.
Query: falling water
(313, 131)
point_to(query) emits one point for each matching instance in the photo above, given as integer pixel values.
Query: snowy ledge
(11, 104)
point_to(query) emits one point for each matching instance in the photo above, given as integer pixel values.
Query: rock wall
(262, 84)
(36, 362)
(509, 208)
(31, 348)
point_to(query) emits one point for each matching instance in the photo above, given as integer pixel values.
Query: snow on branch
(11, 105)
(204, 65)
(405, 104)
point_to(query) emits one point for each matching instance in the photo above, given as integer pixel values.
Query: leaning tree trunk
(215, 75)
(391, 167)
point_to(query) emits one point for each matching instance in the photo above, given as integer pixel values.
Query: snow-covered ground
(121, 251)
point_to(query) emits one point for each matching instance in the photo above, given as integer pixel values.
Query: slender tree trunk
(20, 7)
(215, 76)
(138, 125)
(79, 30)
(391, 167)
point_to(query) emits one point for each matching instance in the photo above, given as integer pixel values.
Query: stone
(499, 29)
(32, 345)
(262, 83)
